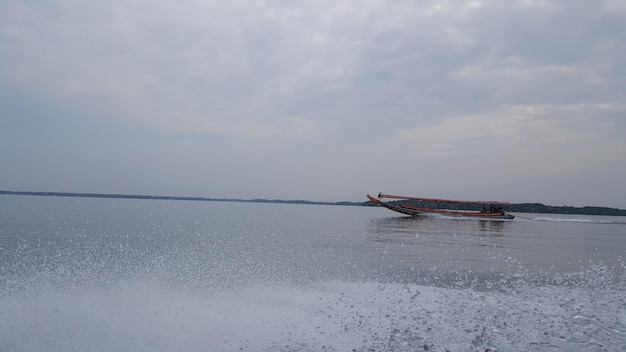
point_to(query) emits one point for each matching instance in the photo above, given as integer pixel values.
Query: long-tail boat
(491, 210)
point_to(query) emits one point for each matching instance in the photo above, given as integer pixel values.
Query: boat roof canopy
(438, 200)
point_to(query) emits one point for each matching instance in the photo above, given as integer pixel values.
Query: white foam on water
(143, 315)
(578, 220)
(563, 220)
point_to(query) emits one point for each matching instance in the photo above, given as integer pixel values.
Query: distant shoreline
(199, 199)
(515, 207)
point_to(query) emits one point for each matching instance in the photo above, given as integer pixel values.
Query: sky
(325, 100)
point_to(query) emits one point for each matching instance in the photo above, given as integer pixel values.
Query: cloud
(224, 68)
(231, 68)
(227, 40)
(520, 126)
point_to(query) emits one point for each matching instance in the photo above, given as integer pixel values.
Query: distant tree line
(541, 208)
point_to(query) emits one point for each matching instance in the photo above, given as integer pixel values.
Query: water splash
(147, 312)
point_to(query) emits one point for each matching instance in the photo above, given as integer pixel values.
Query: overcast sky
(518, 100)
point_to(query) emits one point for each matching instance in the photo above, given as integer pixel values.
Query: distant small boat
(490, 210)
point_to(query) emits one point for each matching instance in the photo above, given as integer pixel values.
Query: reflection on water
(443, 251)
(436, 225)
(492, 226)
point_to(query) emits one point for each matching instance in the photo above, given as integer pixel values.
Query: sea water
(82, 274)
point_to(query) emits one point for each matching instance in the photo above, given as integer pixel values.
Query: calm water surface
(79, 274)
